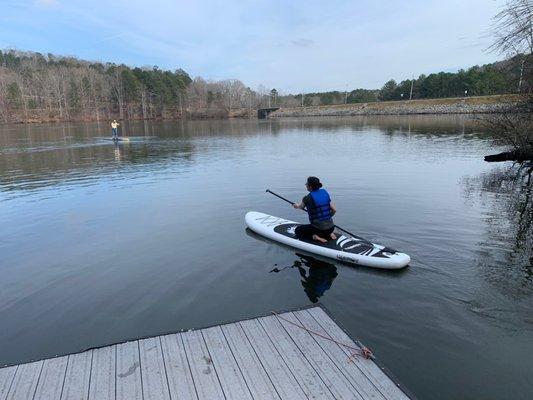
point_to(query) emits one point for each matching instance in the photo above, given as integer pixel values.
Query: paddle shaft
(281, 197)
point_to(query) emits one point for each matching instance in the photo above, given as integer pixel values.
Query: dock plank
(253, 371)
(310, 380)
(332, 376)
(362, 383)
(6, 377)
(386, 386)
(287, 385)
(102, 383)
(78, 374)
(25, 381)
(128, 377)
(180, 380)
(52, 378)
(228, 371)
(154, 376)
(307, 376)
(203, 372)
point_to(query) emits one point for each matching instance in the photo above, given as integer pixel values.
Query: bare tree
(514, 128)
(513, 28)
(3, 97)
(117, 90)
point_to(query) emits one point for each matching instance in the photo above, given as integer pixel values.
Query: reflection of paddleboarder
(114, 128)
(319, 278)
(117, 150)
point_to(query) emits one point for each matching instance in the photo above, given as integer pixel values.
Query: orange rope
(364, 352)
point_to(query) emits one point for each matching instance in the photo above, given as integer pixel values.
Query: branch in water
(516, 155)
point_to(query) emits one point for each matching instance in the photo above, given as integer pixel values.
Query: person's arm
(333, 209)
(300, 206)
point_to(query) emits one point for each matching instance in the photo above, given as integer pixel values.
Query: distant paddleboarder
(320, 209)
(114, 129)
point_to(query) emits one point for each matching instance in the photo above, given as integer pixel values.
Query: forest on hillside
(36, 87)
(491, 79)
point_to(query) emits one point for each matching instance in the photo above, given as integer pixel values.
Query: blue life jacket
(320, 209)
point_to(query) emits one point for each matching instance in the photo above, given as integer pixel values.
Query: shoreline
(445, 106)
(442, 106)
(37, 121)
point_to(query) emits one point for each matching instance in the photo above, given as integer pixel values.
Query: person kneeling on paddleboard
(320, 209)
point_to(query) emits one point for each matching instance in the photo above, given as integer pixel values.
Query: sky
(294, 46)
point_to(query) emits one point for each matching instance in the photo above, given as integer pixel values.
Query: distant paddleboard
(119, 139)
(349, 249)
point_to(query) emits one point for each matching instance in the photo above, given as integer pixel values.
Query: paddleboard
(120, 139)
(349, 249)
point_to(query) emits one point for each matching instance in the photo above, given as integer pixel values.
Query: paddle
(296, 264)
(336, 226)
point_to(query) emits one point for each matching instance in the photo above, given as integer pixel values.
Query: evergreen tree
(388, 91)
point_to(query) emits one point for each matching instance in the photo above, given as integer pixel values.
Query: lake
(101, 242)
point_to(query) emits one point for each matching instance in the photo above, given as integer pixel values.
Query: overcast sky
(291, 45)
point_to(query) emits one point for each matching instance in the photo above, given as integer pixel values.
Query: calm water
(100, 243)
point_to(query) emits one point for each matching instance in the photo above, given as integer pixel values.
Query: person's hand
(296, 206)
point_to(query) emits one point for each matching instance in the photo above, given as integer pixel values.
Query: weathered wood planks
(267, 358)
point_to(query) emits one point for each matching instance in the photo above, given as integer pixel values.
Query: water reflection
(507, 253)
(50, 163)
(316, 276)
(404, 125)
(41, 156)
(118, 156)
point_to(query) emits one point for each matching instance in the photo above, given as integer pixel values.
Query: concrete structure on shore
(292, 355)
(460, 105)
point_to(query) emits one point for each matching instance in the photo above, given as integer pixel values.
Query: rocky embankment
(463, 105)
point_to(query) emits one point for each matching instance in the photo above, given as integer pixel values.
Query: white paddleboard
(346, 248)
(119, 139)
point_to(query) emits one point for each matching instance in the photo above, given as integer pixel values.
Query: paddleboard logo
(288, 230)
(348, 259)
(353, 245)
(270, 221)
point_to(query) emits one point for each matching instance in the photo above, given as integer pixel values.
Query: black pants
(306, 232)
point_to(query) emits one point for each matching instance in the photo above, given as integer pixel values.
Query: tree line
(37, 87)
(497, 78)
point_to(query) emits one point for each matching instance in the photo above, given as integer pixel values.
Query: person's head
(114, 120)
(313, 183)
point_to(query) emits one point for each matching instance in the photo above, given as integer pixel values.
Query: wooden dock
(271, 357)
